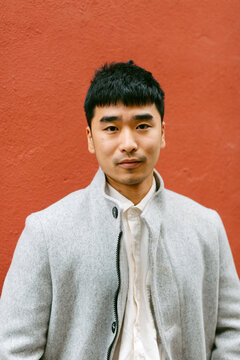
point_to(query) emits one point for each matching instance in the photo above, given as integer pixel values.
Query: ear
(163, 141)
(91, 147)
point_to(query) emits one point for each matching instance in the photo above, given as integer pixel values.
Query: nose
(127, 141)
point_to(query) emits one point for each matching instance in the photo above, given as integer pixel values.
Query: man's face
(127, 142)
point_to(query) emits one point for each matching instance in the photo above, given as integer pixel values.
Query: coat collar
(154, 210)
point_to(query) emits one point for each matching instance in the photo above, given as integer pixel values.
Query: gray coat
(65, 292)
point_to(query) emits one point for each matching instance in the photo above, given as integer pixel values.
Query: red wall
(49, 50)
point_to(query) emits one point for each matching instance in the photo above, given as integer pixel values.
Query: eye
(143, 126)
(111, 129)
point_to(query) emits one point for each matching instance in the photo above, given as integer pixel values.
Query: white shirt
(138, 340)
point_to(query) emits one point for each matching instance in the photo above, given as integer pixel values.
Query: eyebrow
(146, 116)
(106, 119)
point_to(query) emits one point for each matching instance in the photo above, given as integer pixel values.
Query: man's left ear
(163, 141)
(91, 147)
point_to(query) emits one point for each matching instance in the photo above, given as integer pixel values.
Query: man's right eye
(111, 129)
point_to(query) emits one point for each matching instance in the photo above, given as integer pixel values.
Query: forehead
(125, 112)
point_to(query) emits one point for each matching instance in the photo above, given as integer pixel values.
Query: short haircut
(123, 82)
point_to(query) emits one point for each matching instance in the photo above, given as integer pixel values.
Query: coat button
(114, 326)
(115, 212)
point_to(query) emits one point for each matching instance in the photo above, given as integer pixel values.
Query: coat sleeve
(227, 339)
(26, 297)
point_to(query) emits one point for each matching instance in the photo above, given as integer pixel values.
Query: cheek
(152, 150)
(152, 145)
(105, 148)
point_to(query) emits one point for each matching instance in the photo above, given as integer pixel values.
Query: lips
(129, 163)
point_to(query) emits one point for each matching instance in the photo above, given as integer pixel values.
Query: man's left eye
(143, 126)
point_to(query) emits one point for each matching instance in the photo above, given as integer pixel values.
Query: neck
(135, 192)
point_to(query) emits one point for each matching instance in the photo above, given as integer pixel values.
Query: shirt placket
(134, 222)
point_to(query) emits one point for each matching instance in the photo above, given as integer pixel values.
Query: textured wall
(49, 50)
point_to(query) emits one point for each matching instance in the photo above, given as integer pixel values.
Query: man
(123, 269)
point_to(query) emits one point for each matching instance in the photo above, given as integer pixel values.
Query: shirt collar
(125, 203)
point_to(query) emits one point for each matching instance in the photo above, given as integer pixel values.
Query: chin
(131, 180)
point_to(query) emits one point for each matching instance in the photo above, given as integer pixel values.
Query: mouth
(129, 163)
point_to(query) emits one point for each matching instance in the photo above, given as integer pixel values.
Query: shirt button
(115, 212)
(114, 326)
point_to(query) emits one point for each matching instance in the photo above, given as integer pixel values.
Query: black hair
(123, 82)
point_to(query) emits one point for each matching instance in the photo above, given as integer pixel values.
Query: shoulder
(187, 210)
(197, 226)
(65, 210)
(73, 213)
